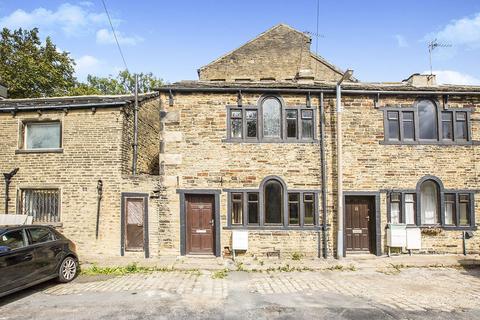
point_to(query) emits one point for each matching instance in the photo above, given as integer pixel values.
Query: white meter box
(240, 239)
(414, 239)
(396, 235)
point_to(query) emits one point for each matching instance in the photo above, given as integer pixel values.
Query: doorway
(134, 223)
(200, 224)
(361, 224)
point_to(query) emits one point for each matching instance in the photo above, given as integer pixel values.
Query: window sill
(438, 143)
(274, 228)
(22, 151)
(445, 227)
(269, 141)
(50, 224)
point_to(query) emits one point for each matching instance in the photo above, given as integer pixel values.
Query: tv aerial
(432, 45)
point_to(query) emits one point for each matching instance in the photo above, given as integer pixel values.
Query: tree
(123, 83)
(31, 69)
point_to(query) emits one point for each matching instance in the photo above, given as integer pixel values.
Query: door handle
(28, 257)
(212, 222)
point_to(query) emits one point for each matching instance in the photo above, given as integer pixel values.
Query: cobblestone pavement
(410, 293)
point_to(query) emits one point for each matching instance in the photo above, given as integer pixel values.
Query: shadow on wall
(154, 166)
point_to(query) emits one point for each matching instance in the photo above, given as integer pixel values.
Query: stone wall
(278, 54)
(92, 149)
(196, 157)
(148, 137)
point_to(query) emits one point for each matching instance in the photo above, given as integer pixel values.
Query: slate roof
(78, 102)
(317, 85)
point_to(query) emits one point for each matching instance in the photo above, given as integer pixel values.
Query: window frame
(441, 194)
(20, 208)
(262, 225)
(283, 123)
(439, 123)
(23, 133)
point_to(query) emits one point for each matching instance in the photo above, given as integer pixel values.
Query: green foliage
(123, 83)
(297, 256)
(30, 68)
(128, 269)
(220, 274)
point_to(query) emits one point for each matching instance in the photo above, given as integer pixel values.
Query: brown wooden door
(358, 211)
(200, 224)
(134, 237)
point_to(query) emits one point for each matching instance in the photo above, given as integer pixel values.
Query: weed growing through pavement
(220, 274)
(297, 256)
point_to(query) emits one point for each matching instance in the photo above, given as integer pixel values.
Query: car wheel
(68, 270)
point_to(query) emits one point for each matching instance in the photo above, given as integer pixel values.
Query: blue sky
(380, 40)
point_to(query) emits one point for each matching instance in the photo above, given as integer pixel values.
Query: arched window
(429, 202)
(273, 193)
(272, 115)
(427, 116)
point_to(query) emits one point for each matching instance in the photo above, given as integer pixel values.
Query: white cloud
(86, 64)
(465, 31)
(401, 41)
(454, 77)
(105, 36)
(71, 19)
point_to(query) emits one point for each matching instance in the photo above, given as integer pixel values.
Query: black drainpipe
(99, 199)
(8, 177)
(135, 129)
(324, 177)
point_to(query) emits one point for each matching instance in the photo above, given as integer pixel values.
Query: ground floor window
(42, 204)
(432, 205)
(272, 205)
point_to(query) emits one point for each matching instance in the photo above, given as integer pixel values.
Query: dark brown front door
(200, 224)
(359, 213)
(134, 238)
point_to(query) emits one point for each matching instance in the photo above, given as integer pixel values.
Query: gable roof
(280, 25)
(280, 53)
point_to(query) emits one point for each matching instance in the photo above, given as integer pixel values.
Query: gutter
(313, 91)
(20, 108)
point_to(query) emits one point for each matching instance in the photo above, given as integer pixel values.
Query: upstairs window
(425, 123)
(272, 115)
(271, 121)
(41, 135)
(427, 120)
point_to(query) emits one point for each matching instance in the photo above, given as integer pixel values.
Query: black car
(33, 254)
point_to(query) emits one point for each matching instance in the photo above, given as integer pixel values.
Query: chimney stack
(422, 80)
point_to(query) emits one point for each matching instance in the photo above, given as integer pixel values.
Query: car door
(16, 260)
(47, 251)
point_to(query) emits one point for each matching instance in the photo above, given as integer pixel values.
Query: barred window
(42, 204)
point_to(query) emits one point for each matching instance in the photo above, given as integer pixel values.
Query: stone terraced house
(272, 139)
